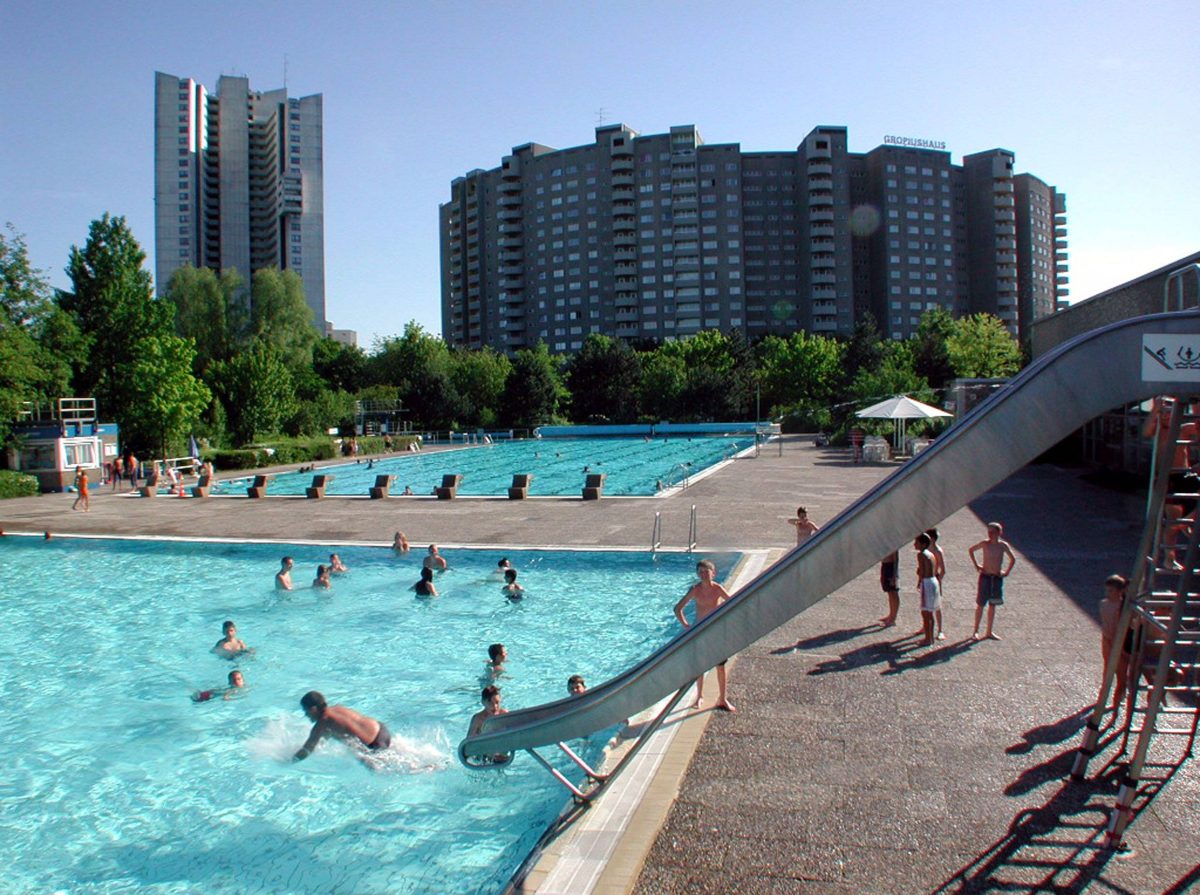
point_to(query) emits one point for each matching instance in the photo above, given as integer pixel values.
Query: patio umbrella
(193, 448)
(900, 408)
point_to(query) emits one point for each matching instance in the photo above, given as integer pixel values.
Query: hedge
(288, 451)
(17, 484)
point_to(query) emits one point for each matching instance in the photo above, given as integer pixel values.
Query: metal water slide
(1051, 398)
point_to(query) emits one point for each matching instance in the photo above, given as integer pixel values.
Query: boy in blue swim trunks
(992, 569)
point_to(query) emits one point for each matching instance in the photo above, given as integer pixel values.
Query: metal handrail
(1177, 274)
(656, 533)
(692, 531)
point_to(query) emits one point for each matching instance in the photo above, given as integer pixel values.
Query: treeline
(239, 362)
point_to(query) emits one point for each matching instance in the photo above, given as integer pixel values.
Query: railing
(692, 530)
(656, 533)
(684, 472)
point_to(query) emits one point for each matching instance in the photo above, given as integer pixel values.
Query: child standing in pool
(511, 589)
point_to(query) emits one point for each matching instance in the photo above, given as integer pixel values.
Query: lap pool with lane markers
(115, 781)
(632, 466)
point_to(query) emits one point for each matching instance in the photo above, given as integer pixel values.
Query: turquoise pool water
(116, 782)
(632, 465)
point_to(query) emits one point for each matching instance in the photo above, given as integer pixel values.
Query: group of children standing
(993, 559)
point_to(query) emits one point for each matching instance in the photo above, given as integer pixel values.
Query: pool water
(115, 781)
(633, 467)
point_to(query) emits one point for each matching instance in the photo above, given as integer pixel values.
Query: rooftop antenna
(601, 114)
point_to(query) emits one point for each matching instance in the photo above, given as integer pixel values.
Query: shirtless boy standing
(708, 595)
(992, 572)
(345, 723)
(927, 586)
(805, 527)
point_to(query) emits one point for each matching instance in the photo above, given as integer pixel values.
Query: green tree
(865, 350)
(534, 390)
(931, 351)
(479, 378)
(720, 375)
(24, 293)
(342, 367)
(801, 369)
(280, 316)
(112, 301)
(982, 348)
(210, 310)
(603, 378)
(397, 359)
(257, 391)
(165, 399)
(664, 375)
(29, 369)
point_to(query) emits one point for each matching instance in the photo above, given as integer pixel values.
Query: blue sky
(1098, 98)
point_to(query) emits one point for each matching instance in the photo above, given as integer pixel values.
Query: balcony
(510, 201)
(622, 165)
(622, 180)
(511, 298)
(624, 223)
(624, 239)
(820, 216)
(1004, 201)
(626, 314)
(627, 330)
(1006, 258)
(1002, 186)
(626, 300)
(1005, 215)
(511, 270)
(823, 261)
(625, 269)
(824, 292)
(625, 147)
(627, 284)
(1061, 266)
(824, 276)
(1060, 245)
(819, 167)
(822, 245)
(824, 324)
(509, 214)
(820, 229)
(624, 254)
(623, 194)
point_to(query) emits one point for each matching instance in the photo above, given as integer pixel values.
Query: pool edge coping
(643, 796)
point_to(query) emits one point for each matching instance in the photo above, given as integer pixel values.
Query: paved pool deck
(856, 763)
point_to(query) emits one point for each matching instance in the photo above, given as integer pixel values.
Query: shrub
(236, 459)
(17, 484)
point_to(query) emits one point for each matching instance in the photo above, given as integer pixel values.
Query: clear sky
(1098, 98)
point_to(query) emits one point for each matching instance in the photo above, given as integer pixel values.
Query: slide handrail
(1051, 398)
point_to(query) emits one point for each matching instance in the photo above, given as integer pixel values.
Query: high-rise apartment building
(239, 182)
(660, 236)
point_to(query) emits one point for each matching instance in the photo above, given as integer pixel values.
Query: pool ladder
(656, 532)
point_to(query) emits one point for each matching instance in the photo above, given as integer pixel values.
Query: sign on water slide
(1171, 358)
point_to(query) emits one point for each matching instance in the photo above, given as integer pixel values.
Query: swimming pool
(633, 467)
(115, 781)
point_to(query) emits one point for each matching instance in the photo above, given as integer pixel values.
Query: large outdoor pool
(115, 781)
(633, 467)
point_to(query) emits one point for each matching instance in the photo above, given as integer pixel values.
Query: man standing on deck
(992, 572)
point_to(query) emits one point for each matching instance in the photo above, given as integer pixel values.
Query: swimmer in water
(283, 578)
(349, 726)
(336, 566)
(408, 491)
(400, 543)
(576, 686)
(230, 646)
(501, 567)
(435, 560)
(511, 589)
(322, 580)
(491, 708)
(236, 683)
(497, 654)
(424, 587)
